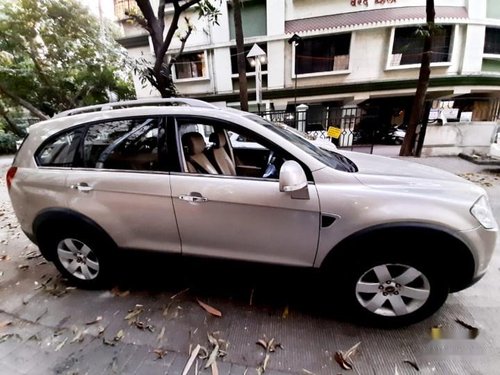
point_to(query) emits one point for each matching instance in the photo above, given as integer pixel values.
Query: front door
(239, 216)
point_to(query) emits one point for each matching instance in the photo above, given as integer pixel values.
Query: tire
(82, 258)
(392, 290)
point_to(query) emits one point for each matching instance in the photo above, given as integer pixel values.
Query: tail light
(10, 176)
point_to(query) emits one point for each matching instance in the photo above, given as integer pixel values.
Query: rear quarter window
(60, 150)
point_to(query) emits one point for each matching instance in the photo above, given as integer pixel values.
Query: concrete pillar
(302, 117)
(474, 38)
(221, 70)
(275, 13)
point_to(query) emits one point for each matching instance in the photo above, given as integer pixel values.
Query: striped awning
(378, 17)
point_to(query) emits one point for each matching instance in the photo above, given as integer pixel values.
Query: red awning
(372, 17)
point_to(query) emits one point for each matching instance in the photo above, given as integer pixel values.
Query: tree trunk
(240, 50)
(12, 127)
(408, 146)
(161, 73)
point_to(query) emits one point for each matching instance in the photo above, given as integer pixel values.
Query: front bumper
(482, 243)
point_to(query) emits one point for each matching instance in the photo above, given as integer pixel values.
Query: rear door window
(129, 144)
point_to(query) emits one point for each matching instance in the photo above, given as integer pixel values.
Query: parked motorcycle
(395, 135)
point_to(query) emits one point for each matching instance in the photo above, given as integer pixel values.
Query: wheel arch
(54, 220)
(438, 244)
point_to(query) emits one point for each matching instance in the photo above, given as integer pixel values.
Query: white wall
(452, 139)
(296, 9)
(143, 91)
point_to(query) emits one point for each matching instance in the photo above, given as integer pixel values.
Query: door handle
(82, 186)
(193, 198)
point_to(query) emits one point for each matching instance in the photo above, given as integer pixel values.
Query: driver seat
(223, 161)
(196, 160)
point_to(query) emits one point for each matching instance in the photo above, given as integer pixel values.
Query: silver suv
(392, 237)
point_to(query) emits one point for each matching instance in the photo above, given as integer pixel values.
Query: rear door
(122, 183)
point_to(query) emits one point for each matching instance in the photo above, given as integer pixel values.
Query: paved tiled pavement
(44, 330)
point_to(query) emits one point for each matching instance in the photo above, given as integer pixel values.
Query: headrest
(194, 142)
(218, 139)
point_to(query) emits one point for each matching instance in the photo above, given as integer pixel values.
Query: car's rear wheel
(393, 291)
(82, 259)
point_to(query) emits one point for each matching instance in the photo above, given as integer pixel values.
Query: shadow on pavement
(244, 284)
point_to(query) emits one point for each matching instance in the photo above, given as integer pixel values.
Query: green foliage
(56, 55)
(209, 11)
(7, 143)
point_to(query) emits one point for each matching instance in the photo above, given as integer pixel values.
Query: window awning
(378, 17)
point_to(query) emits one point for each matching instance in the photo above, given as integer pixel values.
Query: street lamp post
(256, 56)
(295, 40)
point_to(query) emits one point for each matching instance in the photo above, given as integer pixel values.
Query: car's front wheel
(81, 259)
(394, 291)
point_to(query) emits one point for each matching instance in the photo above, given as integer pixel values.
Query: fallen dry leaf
(161, 334)
(143, 326)
(5, 324)
(78, 337)
(118, 293)
(345, 359)
(270, 347)
(119, 335)
(23, 266)
(35, 337)
(213, 367)
(96, 320)
(8, 336)
(160, 353)
(4, 257)
(285, 313)
(211, 310)
(213, 356)
(108, 342)
(339, 358)
(134, 313)
(191, 359)
(179, 293)
(42, 314)
(61, 344)
(412, 364)
(474, 331)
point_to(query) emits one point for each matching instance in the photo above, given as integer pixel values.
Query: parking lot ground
(150, 320)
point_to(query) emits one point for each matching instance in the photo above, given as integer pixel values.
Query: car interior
(209, 150)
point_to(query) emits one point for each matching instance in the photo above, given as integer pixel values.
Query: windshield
(330, 158)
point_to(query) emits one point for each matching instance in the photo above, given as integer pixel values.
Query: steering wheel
(270, 171)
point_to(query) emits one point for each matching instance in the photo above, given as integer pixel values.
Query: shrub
(7, 143)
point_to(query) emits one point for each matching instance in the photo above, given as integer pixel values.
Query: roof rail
(138, 103)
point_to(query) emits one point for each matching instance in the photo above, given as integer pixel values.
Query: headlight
(482, 212)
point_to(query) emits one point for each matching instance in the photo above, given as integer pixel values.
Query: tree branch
(161, 14)
(10, 124)
(178, 9)
(188, 4)
(181, 50)
(155, 29)
(141, 21)
(23, 103)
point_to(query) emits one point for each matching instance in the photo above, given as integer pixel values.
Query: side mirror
(292, 177)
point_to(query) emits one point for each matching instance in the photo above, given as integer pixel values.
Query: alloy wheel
(78, 259)
(392, 290)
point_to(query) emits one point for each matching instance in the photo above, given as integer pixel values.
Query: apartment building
(354, 58)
